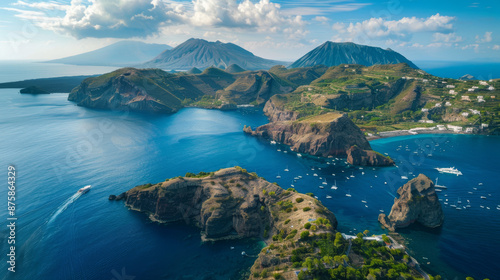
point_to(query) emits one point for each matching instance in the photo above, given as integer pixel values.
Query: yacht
(321, 187)
(334, 187)
(315, 175)
(483, 197)
(278, 176)
(299, 155)
(404, 178)
(348, 194)
(325, 183)
(439, 186)
(328, 196)
(286, 169)
(363, 201)
(450, 170)
(273, 142)
(85, 189)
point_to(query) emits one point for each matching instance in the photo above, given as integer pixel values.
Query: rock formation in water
(230, 203)
(358, 156)
(325, 135)
(417, 202)
(33, 90)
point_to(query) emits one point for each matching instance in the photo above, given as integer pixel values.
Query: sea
(57, 148)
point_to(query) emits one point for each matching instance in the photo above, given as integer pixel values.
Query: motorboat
(85, 189)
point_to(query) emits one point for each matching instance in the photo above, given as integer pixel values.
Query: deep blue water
(58, 148)
(455, 70)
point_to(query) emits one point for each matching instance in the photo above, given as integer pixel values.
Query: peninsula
(299, 232)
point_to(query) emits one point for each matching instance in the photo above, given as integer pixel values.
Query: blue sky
(284, 30)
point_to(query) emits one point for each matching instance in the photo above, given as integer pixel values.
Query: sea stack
(358, 156)
(417, 202)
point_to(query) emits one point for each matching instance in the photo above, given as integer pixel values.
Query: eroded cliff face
(417, 202)
(230, 203)
(325, 135)
(275, 113)
(358, 156)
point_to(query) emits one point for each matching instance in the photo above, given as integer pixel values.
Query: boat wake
(64, 205)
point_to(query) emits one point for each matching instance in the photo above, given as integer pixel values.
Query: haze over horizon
(279, 30)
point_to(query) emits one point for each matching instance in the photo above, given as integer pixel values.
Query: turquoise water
(58, 147)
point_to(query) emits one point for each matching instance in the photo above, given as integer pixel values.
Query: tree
(339, 240)
(366, 232)
(304, 235)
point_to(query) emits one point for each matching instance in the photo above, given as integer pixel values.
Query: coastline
(396, 133)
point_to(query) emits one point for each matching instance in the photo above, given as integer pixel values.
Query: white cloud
(447, 38)
(43, 5)
(141, 18)
(262, 16)
(321, 19)
(403, 29)
(471, 46)
(312, 8)
(485, 39)
(496, 47)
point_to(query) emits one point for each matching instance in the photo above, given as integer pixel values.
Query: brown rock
(325, 135)
(357, 156)
(417, 202)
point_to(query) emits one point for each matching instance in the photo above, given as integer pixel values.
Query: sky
(281, 30)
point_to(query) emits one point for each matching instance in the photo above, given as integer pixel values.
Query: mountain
(123, 53)
(234, 68)
(333, 54)
(202, 54)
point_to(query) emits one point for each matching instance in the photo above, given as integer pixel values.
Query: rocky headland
(330, 134)
(417, 202)
(229, 203)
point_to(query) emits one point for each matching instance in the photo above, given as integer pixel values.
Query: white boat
(328, 196)
(450, 170)
(483, 197)
(321, 187)
(334, 187)
(273, 142)
(439, 186)
(279, 150)
(363, 201)
(348, 194)
(85, 189)
(286, 169)
(299, 155)
(325, 183)
(438, 190)
(315, 175)
(278, 176)
(404, 178)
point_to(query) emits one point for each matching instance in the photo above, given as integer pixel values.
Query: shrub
(212, 182)
(304, 235)
(272, 193)
(306, 209)
(287, 221)
(299, 199)
(307, 225)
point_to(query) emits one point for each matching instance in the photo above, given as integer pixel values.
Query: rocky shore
(417, 202)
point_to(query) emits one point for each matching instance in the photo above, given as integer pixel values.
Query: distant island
(122, 53)
(301, 240)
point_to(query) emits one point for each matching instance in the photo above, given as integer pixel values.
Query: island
(299, 232)
(417, 202)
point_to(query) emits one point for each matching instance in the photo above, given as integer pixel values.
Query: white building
(475, 112)
(447, 104)
(471, 89)
(437, 105)
(484, 125)
(475, 87)
(450, 86)
(465, 98)
(455, 128)
(465, 114)
(483, 83)
(425, 110)
(425, 80)
(469, 130)
(441, 127)
(452, 92)
(491, 88)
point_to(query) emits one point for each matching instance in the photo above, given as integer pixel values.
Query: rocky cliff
(358, 156)
(417, 202)
(325, 135)
(230, 203)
